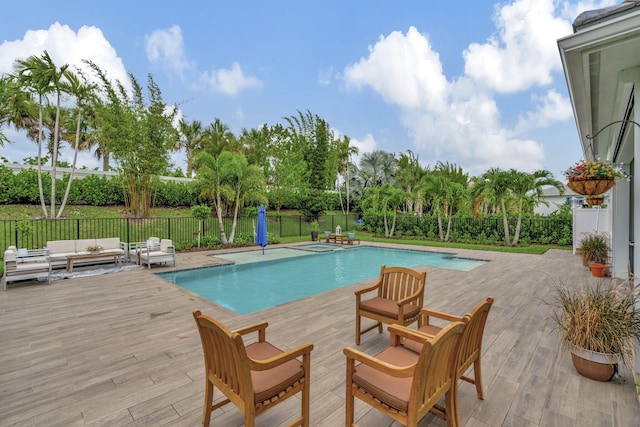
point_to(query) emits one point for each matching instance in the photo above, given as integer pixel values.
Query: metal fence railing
(32, 234)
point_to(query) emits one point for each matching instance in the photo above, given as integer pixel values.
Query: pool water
(250, 287)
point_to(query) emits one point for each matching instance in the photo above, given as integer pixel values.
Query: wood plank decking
(123, 350)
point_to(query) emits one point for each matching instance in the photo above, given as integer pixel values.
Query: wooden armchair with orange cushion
(399, 298)
(255, 377)
(403, 384)
(471, 343)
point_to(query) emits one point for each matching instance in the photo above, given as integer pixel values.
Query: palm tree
(16, 106)
(345, 151)
(84, 93)
(528, 191)
(228, 179)
(191, 135)
(377, 168)
(493, 187)
(409, 174)
(30, 75)
(43, 76)
(385, 199)
(217, 138)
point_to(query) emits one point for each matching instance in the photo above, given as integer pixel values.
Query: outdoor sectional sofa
(59, 250)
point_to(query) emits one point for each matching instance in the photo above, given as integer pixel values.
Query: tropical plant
(597, 318)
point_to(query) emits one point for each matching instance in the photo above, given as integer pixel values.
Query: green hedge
(556, 230)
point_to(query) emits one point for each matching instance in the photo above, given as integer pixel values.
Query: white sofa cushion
(61, 246)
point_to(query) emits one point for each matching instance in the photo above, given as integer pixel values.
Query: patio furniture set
(25, 264)
(405, 381)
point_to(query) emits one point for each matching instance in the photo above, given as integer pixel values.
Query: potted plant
(598, 324)
(351, 234)
(595, 248)
(593, 177)
(315, 228)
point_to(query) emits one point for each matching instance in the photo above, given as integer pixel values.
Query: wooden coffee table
(71, 258)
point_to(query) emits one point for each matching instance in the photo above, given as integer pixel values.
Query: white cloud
(364, 145)
(524, 52)
(231, 81)
(458, 118)
(550, 108)
(167, 47)
(325, 76)
(66, 47)
(403, 69)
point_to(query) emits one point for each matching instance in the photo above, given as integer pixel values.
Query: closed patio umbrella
(261, 232)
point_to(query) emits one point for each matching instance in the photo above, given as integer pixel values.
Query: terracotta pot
(598, 270)
(591, 187)
(594, 365)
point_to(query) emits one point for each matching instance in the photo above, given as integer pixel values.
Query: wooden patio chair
(255, 377)
(400, 296)
(471, 342)
(403, 384)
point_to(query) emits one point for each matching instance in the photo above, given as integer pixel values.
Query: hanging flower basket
(595, 200)
(592, 178)
(591, 186)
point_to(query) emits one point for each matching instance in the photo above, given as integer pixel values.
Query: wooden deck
(123, 350)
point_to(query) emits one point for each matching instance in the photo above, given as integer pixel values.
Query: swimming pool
(250, 287)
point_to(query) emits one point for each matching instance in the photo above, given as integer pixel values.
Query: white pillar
(636, 201)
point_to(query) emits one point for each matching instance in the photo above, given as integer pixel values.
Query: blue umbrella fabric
(261, 232)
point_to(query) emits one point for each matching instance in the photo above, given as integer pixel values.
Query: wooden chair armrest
(387, 368)
(399, 333)
(359, 292)
(303, 350)
(412, 297)
(260, 327)
(426, 313)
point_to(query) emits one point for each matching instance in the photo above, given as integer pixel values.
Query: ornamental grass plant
(599, 318)
(595, 248)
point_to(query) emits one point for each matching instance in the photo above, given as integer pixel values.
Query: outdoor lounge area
(126, 352)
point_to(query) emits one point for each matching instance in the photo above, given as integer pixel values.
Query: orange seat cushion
(388, 308)
(390, 390)
(269, 383)
(426, 329)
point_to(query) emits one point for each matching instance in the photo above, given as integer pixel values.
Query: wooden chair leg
(349, 402)
(357, 329)
(305, 402)
(477, 376)
(451, 405)
(208, 403)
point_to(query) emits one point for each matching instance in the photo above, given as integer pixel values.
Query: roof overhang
(601, 62)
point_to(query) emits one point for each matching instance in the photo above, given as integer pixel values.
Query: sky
(475, 83)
